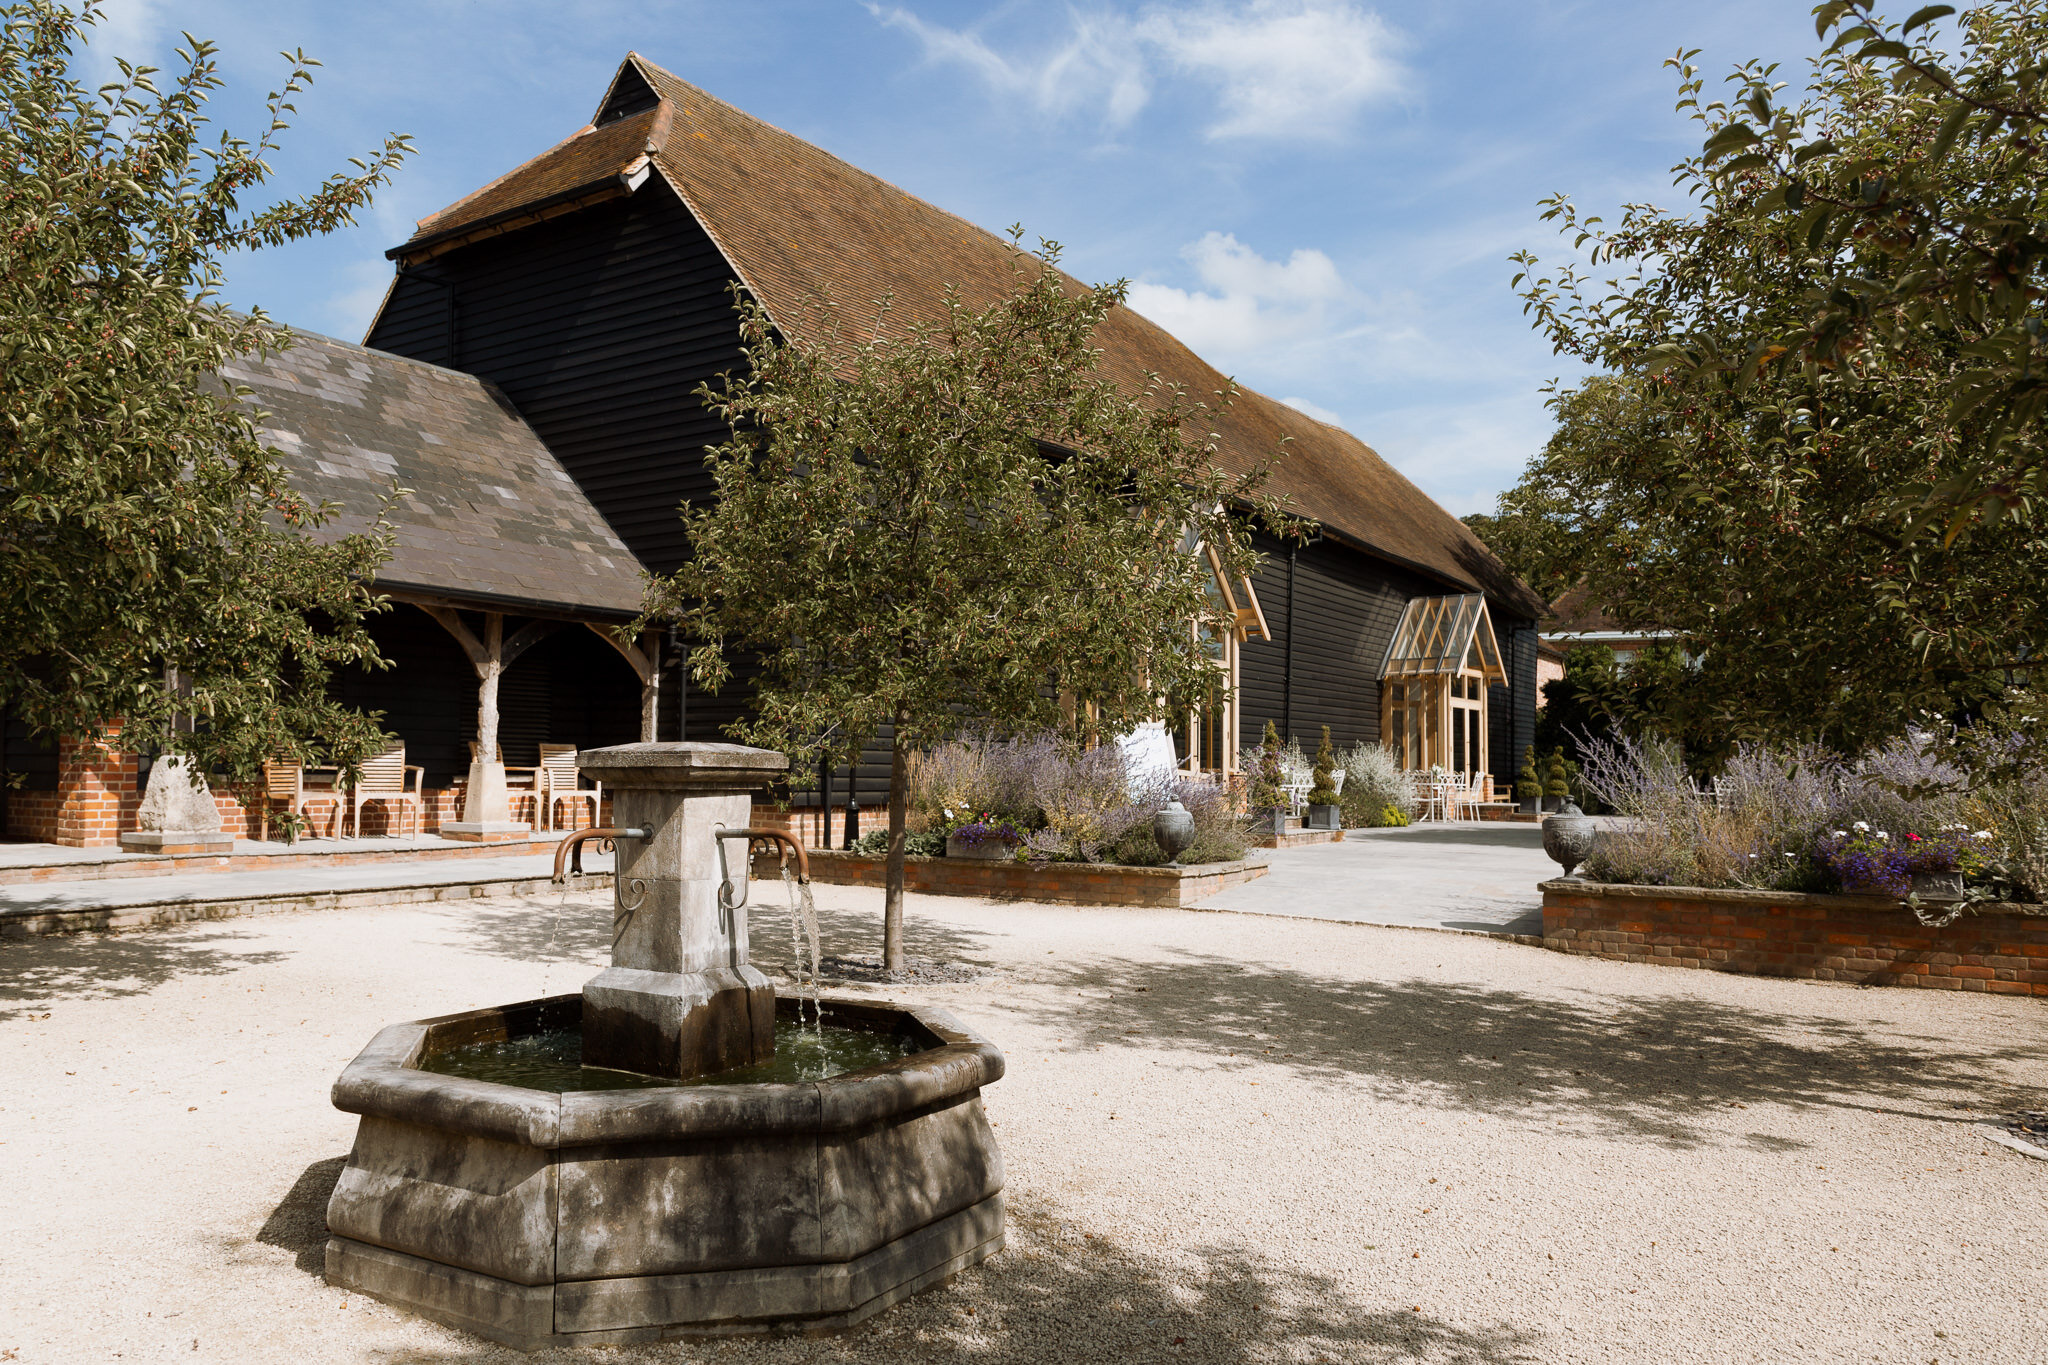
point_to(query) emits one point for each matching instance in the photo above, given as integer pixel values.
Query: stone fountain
(694, 1198)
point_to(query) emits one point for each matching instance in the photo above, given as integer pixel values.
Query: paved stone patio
(1469, 875)
(1229, 1138)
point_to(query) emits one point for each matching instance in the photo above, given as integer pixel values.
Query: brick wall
(1048, 883)
(99, 792)
(1858, 939)
(96, 797)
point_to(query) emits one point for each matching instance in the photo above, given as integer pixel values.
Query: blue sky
(1318, 196)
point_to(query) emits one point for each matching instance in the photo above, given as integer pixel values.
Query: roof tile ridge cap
(664, 123)
(659, 159)
(863, 173)
(420, 227)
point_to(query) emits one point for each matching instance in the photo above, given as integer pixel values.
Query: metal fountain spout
(773, 837)
(569, 853)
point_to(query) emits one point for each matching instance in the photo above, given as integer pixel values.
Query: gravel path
(1228, 1139)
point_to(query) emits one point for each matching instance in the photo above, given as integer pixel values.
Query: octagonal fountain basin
(578, 1206)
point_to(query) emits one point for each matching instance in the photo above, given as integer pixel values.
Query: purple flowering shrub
(1868, 861)
(1053, 800)
(1786, 818)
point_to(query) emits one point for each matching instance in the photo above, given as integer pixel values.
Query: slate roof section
(798, 224)
(492, 516)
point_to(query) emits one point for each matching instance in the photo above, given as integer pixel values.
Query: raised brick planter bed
(1867, 940)
(1058, 883)
(1298, 838)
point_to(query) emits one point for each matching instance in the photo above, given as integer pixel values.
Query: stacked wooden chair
(560, 781)
(284, 782)
(386, 778)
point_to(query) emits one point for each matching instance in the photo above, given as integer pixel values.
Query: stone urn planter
(1322, 817)
(1568, 838)
(1173, 829)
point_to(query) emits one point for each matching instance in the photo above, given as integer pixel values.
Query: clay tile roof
(593, 158)
(491, 518)
(799, 225)
(1576, 613)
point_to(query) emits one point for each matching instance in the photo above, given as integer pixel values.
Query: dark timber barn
(530, 375)
(592, 287)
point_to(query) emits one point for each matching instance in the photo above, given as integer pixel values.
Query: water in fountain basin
(553, 1060)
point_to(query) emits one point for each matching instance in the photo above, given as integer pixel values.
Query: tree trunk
(892, 881)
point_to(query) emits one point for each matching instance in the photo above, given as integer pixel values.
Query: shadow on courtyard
(548, 929)
(36, 973)
(1648, 1066)
(1501, 836)
(1058, 1292)
(299, 1223)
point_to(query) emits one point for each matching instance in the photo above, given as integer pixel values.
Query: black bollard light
(852, 815)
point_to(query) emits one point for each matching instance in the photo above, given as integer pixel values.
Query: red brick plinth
(1866, 940)
(1055, 883)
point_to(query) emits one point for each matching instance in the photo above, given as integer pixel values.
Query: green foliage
(1390, 817)
(1324, 792)
(146, 528)
(1267, 787)
(1528, 786)
(1557, 782)
(1816, 455)
(920, 523)
(1373, 782)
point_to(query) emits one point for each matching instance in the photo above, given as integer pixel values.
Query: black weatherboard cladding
(599, 326)
(1339, 607)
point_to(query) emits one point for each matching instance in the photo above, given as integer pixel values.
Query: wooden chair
(284, 780)
(387, 778)
(560, 781)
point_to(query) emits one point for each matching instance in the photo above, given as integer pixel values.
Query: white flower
(1792, 856)
(1861, 826)
(1982, 834)
(1838, 834)
(1882, 835)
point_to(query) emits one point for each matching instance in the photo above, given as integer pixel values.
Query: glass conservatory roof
(1443, 635)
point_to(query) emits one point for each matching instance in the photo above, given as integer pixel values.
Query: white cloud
(1287, 68)
(128, 29)
(1315, 410)
(1099, 61)
(1281, 68)
(346, 312)
(1247, 303)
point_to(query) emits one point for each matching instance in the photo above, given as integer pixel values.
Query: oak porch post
(486, 805)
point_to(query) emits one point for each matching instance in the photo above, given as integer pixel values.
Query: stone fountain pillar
(680, 998)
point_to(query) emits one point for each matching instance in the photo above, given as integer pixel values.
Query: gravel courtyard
(1229, 1138)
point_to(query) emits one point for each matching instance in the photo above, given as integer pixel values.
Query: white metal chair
(387, 778)
(559, 780)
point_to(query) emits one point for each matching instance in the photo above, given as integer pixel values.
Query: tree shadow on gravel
(299, 1223)
(1060, 1293)
(548, 929)
(543, 928)
(1646, 1066)
(38, 972)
